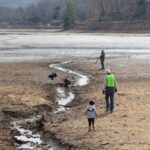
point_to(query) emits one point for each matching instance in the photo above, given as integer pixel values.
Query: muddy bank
(27, 91)
(119, 130)
(30, 93)
(116, 26)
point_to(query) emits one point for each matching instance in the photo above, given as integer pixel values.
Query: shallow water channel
(64, 98)
(26, 133)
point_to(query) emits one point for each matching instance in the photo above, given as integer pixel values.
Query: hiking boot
(102, 69)
(107, 110)
(111, 111)
(89, 130)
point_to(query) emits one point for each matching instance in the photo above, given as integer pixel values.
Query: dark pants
(102, 63)
(109, 98)
(91, 121)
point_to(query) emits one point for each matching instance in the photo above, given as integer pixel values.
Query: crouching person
(91, 114)
(52, 75)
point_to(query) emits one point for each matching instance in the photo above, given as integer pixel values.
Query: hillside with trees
(89, 14)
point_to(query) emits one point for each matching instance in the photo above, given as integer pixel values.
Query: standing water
(63, 97)
(18, 47)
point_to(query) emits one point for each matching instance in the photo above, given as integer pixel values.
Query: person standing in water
(66, 84)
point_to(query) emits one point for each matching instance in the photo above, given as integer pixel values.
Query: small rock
(125, 125)
(125, 116)
(115, 132)
(105, 143)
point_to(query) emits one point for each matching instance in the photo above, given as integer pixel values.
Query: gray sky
(16, 3)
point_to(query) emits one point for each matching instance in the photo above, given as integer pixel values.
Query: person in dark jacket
(102, 58)
(66, 84)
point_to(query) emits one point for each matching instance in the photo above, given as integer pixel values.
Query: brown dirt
(26, 90)
(127, 127)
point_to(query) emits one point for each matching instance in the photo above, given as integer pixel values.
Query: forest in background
(69, 12)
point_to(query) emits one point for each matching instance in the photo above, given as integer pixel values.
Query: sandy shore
(25, 90)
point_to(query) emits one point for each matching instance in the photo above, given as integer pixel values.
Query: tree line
(69, 12)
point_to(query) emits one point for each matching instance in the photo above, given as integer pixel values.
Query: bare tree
(101, 9)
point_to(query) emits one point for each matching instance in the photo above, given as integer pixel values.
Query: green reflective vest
(110, 80)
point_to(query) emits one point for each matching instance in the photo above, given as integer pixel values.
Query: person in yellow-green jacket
(110, 87)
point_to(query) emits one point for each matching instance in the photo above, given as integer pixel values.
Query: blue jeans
(109, 98)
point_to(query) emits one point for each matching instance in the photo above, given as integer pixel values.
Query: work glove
(103, 92)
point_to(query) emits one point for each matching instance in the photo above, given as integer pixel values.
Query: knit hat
(91, 102)
(107, 71)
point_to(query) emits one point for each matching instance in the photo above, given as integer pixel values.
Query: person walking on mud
(110, 87)
(102, 58)
(91, 114)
